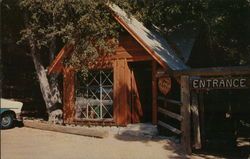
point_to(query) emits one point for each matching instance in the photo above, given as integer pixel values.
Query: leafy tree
(223, 25)
(87, 25)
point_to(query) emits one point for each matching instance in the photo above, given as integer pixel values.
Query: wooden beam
(137, 59)
(185, 113)
(170, 114)
(195, 120)
(57, 65)
(120, 92)
(154, 93)
(126, 55)
(68, 95)
(91, 132)
(128, 80)
(169, 127)
(212, 71)
(202, 116)
(172, 101)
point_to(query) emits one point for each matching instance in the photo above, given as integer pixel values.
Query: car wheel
(7, 121)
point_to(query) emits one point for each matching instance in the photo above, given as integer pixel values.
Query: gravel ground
(27, 143)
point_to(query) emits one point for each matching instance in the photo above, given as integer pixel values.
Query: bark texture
(41, 74)
(49, 88)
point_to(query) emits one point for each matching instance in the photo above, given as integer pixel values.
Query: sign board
(221, 83)
(164, 85)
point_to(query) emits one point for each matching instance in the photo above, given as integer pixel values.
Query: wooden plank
(120, 93)
(57, 65)
(137, 59)
(212, 71)
(154, 93)
(170, 114)
(185, 113)
(68, 95)
(172, 101)
(128, 91)
(195, 120)
(137, 111)
(128, 44)
(124, 108)
(202, 116)
(169, 127)
(116, 91)
(91, 132)
(129, 56)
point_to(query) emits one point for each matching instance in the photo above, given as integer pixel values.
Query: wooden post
(121, 104)
(185, 113)
(128, 91)
(195, 121)
(69, 95)
(202, 116)
(154, 93)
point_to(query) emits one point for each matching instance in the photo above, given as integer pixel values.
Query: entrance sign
(164, 85)
(220, 83)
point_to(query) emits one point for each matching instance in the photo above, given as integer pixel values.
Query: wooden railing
(169, 114)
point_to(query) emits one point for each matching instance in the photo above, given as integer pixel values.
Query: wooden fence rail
(172, 101)
(170, 114)
(169, 127)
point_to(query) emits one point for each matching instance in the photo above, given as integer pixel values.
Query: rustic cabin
(123, 88)
(146, 80)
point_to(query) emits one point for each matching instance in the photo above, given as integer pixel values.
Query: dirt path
(27, 143)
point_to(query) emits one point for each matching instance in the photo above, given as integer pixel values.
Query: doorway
(141, 91)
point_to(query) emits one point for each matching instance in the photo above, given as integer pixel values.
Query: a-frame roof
(155, 45)
(152, 42)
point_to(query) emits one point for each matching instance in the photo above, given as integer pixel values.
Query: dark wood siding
(121, 92)
(69, 95)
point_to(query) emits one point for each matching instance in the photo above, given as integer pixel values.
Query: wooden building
(136, 83)
(123, 88)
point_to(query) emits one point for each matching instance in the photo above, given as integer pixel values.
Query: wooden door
(141, 92)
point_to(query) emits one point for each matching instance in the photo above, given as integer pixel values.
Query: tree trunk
(50, 93)
(55, 115)
(56, 95)
(42, 75)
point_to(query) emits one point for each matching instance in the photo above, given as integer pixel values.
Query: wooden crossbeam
(170, 114)
(172, 101)
(169, 127)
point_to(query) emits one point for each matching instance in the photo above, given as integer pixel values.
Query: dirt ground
(27, 143)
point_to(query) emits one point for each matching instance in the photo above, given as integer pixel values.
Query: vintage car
(10, 112)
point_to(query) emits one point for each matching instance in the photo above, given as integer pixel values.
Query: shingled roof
(155, 45)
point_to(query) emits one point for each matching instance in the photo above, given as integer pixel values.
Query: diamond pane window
(94, 96)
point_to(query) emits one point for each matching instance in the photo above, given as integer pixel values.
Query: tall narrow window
(94, 96)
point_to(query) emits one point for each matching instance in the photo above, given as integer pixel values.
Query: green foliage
(224, 24)
(86, 24)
